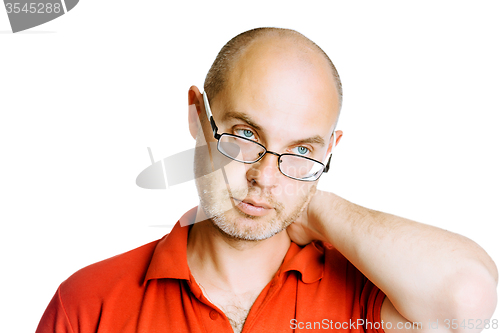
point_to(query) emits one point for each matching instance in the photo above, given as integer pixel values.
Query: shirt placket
(212, 318)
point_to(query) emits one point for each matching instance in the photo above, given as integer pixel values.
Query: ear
(337, 136)
(195, 107)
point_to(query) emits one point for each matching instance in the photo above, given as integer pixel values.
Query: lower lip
(251, 209)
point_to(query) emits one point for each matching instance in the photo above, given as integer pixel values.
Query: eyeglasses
(248, 151)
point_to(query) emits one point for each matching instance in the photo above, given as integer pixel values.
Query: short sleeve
(371, 300)
(54, 319)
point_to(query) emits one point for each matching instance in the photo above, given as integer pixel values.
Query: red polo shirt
(151, 289)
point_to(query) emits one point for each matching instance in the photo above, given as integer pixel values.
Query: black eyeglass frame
(217, 136)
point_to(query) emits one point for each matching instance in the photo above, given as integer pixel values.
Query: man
(269, 252)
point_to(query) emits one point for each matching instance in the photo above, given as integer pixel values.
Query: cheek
(236, 178)
(202, 164)
(212, 191)
(211, 161)
(292, 193)
(229, 175)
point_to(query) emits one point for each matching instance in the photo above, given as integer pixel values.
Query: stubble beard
(236, 225)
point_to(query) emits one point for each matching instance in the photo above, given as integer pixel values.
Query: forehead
(283, 88)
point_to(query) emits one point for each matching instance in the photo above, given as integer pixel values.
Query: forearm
(421, 268)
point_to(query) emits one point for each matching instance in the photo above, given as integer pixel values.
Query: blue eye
(245, 133)
(302, 150)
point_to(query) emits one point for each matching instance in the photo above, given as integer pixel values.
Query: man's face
(286, 100)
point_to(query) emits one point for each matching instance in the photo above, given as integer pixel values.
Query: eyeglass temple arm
(209, 116)
(327, 167)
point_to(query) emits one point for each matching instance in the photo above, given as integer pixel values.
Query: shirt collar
(169, 260)
(308, 261)
(170, 255)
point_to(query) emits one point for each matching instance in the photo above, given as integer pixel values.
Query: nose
(265, 172)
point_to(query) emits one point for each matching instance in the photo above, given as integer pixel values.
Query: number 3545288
(33, 8)
(471, 323)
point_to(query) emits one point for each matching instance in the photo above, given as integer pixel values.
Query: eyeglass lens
(244, 150)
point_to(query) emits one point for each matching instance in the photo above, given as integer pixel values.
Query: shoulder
(100, 293)
(340, 276)
(337, 266)
(109, 276)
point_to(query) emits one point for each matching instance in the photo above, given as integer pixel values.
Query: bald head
(281, 44)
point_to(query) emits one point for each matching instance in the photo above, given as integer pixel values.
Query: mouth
(252, 207)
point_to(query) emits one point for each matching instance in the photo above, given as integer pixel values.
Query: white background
(83, 96)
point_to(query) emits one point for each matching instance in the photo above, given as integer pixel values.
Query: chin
(239, 226)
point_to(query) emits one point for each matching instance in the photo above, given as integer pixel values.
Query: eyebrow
(312, 140)
(243, 117)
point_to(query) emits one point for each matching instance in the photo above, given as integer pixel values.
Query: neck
(233, 265)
